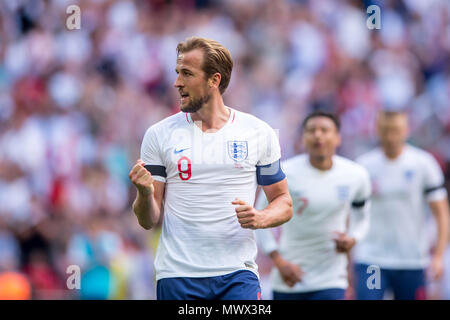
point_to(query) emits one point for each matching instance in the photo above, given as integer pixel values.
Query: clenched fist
(344, 243)
(142, 178)
(248, 217)
(290, 273)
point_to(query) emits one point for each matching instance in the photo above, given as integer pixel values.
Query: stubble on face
(195, 105)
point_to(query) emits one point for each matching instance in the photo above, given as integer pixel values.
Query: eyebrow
(328, 125)
(184, 69)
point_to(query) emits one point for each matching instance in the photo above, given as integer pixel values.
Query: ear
(214, 80)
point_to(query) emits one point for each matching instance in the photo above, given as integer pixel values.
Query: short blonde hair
(217, 58)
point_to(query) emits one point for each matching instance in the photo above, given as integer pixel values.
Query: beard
(195, 104)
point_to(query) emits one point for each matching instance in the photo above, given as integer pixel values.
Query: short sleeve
(364, 190)
(151, 155)
(359, 219)
(268, 146)
(433, 179)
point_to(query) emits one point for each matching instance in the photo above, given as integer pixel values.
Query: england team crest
(238, 150)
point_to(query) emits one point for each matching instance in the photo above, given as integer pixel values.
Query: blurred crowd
(75, 104)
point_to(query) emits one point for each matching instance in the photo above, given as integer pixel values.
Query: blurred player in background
(311, 259)
(404, 180)
(204, 163)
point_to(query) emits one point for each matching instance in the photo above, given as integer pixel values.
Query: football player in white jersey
(405, 180)
(331, 199)
(201, 167)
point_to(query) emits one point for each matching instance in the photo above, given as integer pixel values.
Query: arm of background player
(359, 215)
(266, 241)
(440, 209)
(357, 229)
(359, 220)
(279, 209)
(290, 272)
(437, 198)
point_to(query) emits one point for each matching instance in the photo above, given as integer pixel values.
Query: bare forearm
(275, 256)
(146, 210)
(442, 241)
(441, 213)
(278, 211)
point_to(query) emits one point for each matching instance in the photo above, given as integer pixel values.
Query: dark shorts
(405, 284)
(326, 294)
(239, 285)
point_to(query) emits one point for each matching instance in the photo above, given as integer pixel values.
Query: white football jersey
(322, 203)
(397, 237)
(204, 173)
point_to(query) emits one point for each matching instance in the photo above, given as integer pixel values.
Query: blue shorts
(239, 285)
(405, 284)
(326, 294)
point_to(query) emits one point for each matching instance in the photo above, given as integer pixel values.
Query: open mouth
(317, 145)
(184, 96)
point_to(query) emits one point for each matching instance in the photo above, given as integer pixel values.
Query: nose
(317, 134)
(178, 83)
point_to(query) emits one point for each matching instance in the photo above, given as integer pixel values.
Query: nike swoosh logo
(178, 151)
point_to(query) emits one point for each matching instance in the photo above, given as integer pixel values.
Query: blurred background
(75, 104)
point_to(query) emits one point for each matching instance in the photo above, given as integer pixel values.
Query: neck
(393, 153)
(213, 115)
(321, 163)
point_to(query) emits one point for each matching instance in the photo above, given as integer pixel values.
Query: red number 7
(304, 204)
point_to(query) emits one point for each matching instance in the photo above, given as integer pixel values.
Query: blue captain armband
(269, 174)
